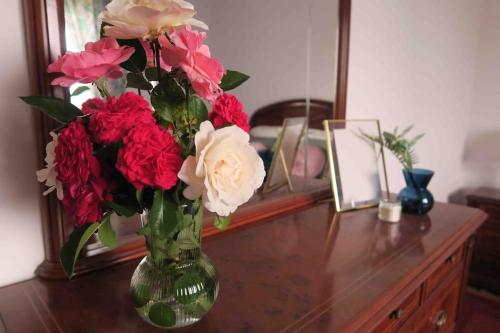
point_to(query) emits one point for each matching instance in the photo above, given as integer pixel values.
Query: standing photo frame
(357, 166)
(285, 151)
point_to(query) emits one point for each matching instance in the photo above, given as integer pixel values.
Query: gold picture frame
(285, 151)
(330, 127)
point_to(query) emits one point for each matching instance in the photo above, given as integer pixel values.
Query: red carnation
(110, 121)
(228, 110)
(79, 172)
(150, 157)
(87, 205)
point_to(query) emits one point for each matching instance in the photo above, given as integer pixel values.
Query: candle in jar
(389, 211)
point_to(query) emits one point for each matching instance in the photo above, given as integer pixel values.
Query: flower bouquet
(155, 150)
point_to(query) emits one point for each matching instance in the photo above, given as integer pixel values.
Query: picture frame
(347, 150)
(285, 151)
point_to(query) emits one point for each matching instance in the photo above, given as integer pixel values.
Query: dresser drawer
(439, 314)
(443, 271)
(397, 317)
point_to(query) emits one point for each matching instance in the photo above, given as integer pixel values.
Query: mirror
(294, 50)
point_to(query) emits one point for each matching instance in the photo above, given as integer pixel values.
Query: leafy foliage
(71, 250)
(137, 80)
(162, 315)
(233, 79)
(58, 109)
(401, 147)
(140, 294)
(106, 234)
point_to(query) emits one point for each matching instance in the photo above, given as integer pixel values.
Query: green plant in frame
(400, 146)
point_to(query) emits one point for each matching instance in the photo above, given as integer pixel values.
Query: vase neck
(182, 243)
(418, 178)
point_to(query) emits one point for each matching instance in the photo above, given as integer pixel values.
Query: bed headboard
(273, 114)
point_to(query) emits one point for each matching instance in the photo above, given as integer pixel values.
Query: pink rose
(100, 59)
(150, 157)
(189, 53)
(111, 120)
(228, 110)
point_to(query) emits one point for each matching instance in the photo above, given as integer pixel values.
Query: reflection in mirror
(288, 47)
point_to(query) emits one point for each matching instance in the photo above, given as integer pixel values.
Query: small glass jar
(389, 211)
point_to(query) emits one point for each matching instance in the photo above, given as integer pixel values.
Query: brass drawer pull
(397, 314)
(452, 259)
(440, 320)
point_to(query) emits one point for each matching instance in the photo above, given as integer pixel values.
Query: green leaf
(198, 109)
(152, 73)
(139, 194)
(107, 235)
(137, 62)
(168, 99)
(121, 210)
(188, 288)
(70, 251)
(163, 214)
(162, 315)
(55, 108)
(80, 90)
(232, 79)
(137, 80)
(140, 295)
(221, 222)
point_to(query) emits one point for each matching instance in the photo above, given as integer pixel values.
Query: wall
(413, 62)
(482, 153)
(21, 244)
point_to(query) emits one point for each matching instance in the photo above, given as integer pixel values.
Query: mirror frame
(44, 29)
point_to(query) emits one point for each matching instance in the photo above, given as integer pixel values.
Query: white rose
(49, 174)
(226, 171)
(147, 19)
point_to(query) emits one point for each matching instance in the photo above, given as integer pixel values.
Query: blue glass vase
(415, 197)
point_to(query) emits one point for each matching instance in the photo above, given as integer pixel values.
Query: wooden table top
(295, 273)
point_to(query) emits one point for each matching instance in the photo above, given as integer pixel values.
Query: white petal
(187, 175)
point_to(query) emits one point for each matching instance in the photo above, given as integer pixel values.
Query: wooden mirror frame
(45, 26)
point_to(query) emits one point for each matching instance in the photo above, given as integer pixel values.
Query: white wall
(413, 62)
(482, 152)
(21, 244)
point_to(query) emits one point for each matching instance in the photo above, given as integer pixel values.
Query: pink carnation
(100, 59)
(79, 172)
(150, 157)
(228, 110)
(111, 120)
(189, 53)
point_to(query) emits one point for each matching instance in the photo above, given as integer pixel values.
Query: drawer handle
(440, 320)
(397, 314)
(452, 259)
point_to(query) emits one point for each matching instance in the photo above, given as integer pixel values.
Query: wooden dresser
(485, 266)
(296, 273)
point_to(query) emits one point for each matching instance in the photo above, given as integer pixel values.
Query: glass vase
(415, 197)
(176, 284)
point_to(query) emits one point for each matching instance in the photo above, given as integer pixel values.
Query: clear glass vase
(175, 285)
